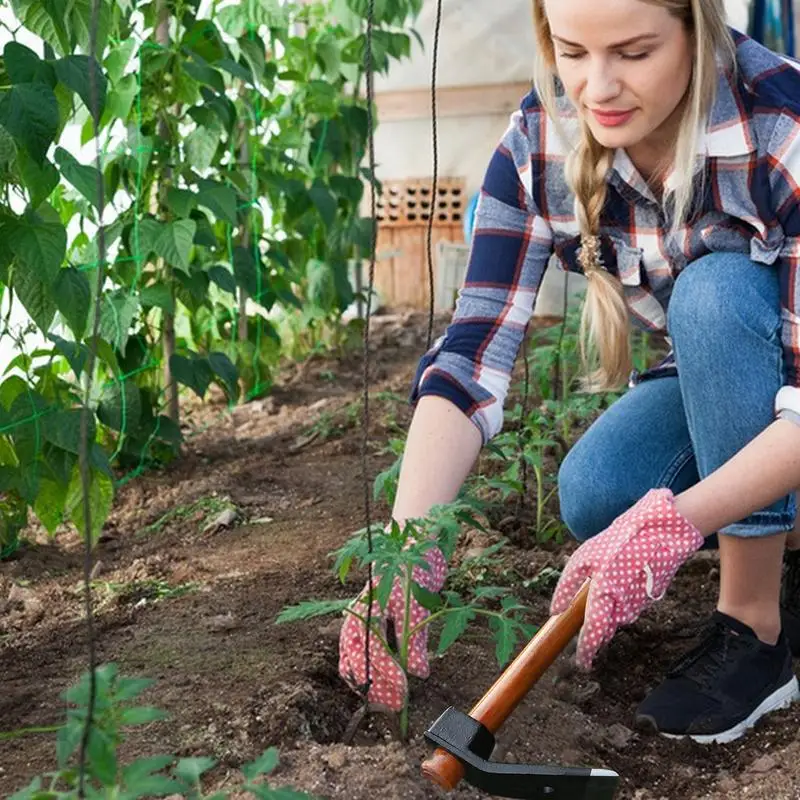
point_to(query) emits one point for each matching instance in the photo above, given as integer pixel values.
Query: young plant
(394, 553)
(154, 776)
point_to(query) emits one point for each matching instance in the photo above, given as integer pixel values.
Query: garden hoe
(465, 742)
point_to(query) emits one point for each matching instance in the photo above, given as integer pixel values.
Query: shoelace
(703, 663)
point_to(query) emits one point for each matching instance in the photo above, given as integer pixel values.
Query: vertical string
(83, 455)
(368, 71)
(435, 187)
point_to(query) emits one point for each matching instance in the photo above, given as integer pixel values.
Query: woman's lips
(612, 119)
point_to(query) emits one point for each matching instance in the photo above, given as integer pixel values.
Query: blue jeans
(724, 322)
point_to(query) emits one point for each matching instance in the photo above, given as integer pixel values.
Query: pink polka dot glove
(389, 683)
(631, 564)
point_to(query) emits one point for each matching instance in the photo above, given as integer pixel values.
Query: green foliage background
(229, 142)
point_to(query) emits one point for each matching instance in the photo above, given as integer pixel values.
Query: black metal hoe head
(472, 744)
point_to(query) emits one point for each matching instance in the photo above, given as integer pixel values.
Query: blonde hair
(605, 326)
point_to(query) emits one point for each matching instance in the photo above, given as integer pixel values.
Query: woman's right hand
(388, 681)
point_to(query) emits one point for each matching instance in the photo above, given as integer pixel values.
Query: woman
(666, 171)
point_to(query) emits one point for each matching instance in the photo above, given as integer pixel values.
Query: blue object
(469, 217)
(772, 24)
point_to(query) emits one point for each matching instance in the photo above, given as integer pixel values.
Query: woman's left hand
(631, 564)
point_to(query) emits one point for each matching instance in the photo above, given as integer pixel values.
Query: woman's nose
(602, 85)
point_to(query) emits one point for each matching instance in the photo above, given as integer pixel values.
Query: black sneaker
(790, 599)
(721, 687)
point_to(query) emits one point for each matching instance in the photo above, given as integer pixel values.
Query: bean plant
(106, 778)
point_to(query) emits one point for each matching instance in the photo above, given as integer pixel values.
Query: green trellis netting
(230, 149)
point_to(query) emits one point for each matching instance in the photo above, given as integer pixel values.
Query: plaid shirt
(525, 221)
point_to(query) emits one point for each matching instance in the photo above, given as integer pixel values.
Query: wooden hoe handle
(510, 688)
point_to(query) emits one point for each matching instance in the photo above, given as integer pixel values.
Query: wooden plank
(452, 101)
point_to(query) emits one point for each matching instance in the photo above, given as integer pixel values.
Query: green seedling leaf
(505, 632)
(455, 624)
(192, 769)
(86, 179)
(310, 609)
(141, 715)
(263, 765)
(427, 599)
(130, 688)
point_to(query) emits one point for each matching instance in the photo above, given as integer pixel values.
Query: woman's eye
(634, 56)
(570, 55)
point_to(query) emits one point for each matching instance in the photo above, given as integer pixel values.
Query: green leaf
(226, 371)
(181, 202)
(204, 39)
(29, 112)
(158, 295)
(203, 73)
(263, 765)
(141, 715)
(76, 354)
(427, 599)
(174, 243)
(245, 271)
(36, 296)
(324, 202)
(49, 505)
(223, 278)
(40, 246)
(455, 624)
(76, 73)
(62, 428)
(505, 633)
(201, 145)
(311, 608)
(192, 769)
(193, 372)
(86, 179)
(73, 297)
(100, 497)
(40, 177)
(116, 316)
(119, 58)
(120, 407)
(24, 66)
(8, 150)
(220, 200)
(121, 97)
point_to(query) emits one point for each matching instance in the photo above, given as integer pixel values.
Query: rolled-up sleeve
(471, 364)
(784, 164)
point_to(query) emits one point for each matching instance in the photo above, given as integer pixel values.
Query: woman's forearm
(758, 475)
(440, 451)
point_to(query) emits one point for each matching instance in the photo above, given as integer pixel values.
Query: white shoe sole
(780, 698)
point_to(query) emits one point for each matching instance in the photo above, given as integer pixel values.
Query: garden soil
(198, 559)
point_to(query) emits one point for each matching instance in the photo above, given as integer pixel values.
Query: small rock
(764, 764)
(224, 519)
(223, 622)
(336, 760)
(619, 737)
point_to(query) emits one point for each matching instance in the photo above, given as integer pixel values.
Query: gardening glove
(389, 685)
(631, 564)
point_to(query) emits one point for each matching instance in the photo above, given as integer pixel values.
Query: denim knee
(585, 508)
(719, 292)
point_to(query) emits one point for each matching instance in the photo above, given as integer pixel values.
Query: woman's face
(625, 64)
